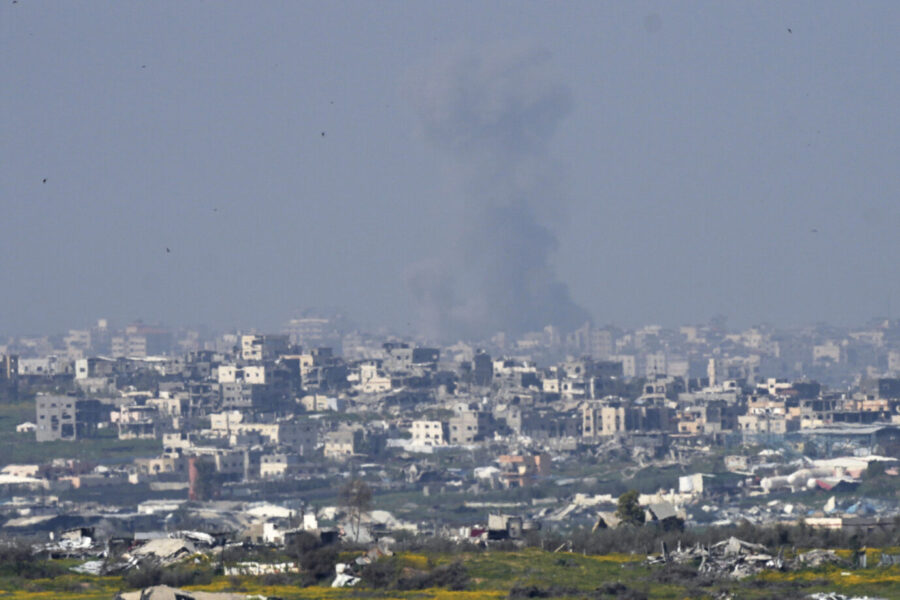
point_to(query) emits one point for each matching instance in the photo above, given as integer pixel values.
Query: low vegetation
(529, 573)
(585, 565)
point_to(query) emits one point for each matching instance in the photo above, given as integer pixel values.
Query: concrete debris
(889, 560)
(735, 559)
(165, 550)
(197, 537)
(157, 551)
(733, 546)
(836, 596)
(343, 578)
(164, 592)
(819, 557)
(256, 568)
(729, 559)
(347, 574)
(375, 552)
(91, 567)
(606, 520)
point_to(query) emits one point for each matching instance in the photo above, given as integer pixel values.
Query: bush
(143, 577)
(381, 574)
(316, 559)
(319, 563)
(387, 574)
(648, 538)
(436, 545)
(272, 579)
(452, 577)
(17, 560)
(614, 589)
(176, 576)
(686, 575)
(617, 589)
(519, 592)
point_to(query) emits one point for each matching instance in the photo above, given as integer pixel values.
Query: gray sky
(709, 161)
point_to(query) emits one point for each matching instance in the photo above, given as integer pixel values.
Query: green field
(493, 573)
(22, 448)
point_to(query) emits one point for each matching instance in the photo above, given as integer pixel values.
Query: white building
(429, 433)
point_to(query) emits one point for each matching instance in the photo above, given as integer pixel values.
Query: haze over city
(448, 168)
(496, 299)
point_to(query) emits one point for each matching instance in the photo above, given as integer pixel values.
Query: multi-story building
(520, 471)
(264, 347)
(67, 418)
(469, 426)
(343, 443)
(9, 377)
(141, 341)
(430, 433)
(278, 465)
(136, 421)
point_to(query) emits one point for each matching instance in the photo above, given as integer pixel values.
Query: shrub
(387, 574)
(452, 577)
(319, 563)
(272, 579)
(17, 560)
(381, 574)
(519, 592)
(617, 589)
(316, 559)
(176, 576)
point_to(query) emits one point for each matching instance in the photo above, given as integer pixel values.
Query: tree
(356, 499)
(208, 481)
(874, 470)
(629, 510)
(316, 559)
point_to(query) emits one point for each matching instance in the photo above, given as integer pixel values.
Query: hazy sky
(707, 161)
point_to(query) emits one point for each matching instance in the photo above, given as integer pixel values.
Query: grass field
(22, 447)
(494, 573)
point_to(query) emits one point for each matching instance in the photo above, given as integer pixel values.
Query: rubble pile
(728, 559)
(164, 592)
(835, 596)
(819, 557)
(347, 574)
(163, 551)
(736, 559)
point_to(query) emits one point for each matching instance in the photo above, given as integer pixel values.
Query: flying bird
(323, 134)
(44, 180)
(167, 250)
(814, 230)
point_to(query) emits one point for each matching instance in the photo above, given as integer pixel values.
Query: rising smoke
(492, 113)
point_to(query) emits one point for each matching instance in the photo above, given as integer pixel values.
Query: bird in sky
(814, 230)
(168, 250)
(44, 180)
(789, 30)
(323, 134)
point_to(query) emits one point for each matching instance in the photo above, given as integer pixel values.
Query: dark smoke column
(492, 112)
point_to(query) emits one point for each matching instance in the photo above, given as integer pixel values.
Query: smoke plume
(492, 113)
